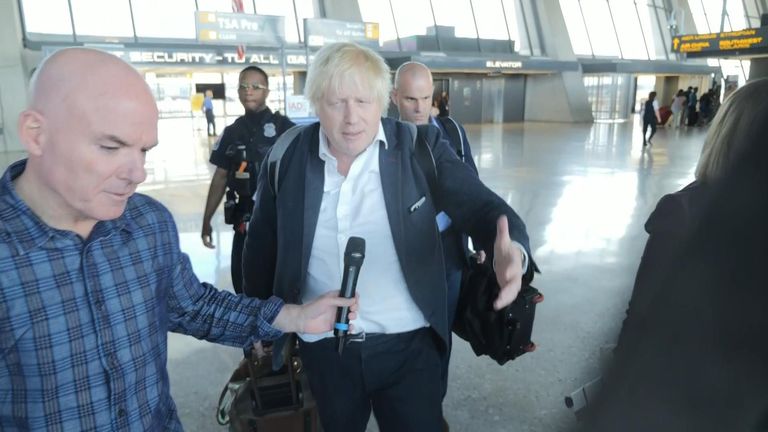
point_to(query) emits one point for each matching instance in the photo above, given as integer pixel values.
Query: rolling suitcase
(258, 399)
(665, 113)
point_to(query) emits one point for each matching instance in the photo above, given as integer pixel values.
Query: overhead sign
(239, 29)
(200, 57)
(721, 43)
(503, 64)
(319, 32)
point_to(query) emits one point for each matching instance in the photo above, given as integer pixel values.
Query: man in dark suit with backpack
(412, 94)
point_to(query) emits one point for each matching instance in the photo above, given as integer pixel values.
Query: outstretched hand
(317, 316)
(508, 264)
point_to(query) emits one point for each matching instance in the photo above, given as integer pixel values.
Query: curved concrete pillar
(556, 97)
(13, 80)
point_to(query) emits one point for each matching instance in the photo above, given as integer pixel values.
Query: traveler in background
(678, 106)
(693, 115)
(237, 156)
(210, 119)
(650, 117)
(684, 116)
(442, 105)
(92, 275)
(412, 94)
(705, 107)
(355, 175)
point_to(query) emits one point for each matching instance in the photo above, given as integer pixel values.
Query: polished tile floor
(584, 190)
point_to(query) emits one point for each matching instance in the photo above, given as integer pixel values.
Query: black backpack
(502, 335)
(454, 132)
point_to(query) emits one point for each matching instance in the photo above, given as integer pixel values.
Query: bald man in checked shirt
(91, 274)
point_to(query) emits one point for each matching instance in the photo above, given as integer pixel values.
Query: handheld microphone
(354, 255)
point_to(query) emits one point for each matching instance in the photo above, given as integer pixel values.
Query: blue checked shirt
(83, 323)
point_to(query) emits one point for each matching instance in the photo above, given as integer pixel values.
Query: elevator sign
(239, 29)
(715, 44)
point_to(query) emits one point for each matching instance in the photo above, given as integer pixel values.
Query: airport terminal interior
(550, 93)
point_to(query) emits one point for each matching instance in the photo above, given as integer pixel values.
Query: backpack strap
(454, 131)
(276, 153)
(424, 157)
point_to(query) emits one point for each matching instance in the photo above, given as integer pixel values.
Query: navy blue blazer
(282, 228)
(455, 243)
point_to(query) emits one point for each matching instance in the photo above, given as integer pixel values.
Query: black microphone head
(355, 251)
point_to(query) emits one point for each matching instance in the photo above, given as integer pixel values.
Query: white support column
(556, 97)
(13, 82)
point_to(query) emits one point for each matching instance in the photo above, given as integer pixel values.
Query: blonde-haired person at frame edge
(692, 353)
(738, 125)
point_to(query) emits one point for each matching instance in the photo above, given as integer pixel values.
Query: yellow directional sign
(714, 43)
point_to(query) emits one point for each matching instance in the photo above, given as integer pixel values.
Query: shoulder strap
(276, 153)
(424, 156)
(453, 129)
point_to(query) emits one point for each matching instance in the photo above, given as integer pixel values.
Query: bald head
(78, 75)
(90, 121)
(412, 92)
(410, 71)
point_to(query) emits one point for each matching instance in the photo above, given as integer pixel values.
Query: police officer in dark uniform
(237, 156)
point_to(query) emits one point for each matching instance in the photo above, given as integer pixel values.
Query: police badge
(269, 130)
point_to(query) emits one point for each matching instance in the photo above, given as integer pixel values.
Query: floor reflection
(592, 213)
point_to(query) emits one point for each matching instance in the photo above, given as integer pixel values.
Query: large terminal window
(222, 6)
(412, 17)
(143, 20)
(294, 30)
(629, 30)
(655, 25)
(304, 9)
(492, 20)
(380, 12)
(102, 20)
(49, 18)
(752, 11)
(707, 14)
(574, 22)
(598, 22)
(167, 19)
(516, 31)
(456, 14)
(469, 19)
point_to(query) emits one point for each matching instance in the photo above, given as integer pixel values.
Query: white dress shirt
(354, 206)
